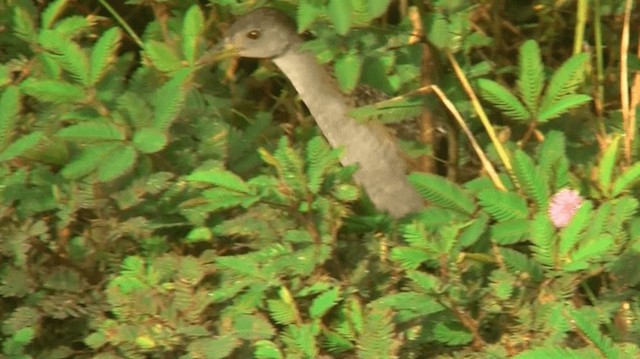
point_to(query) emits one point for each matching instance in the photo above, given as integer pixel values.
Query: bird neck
(382, 171)
(317, 89)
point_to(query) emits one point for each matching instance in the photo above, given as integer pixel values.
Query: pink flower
(564, 206)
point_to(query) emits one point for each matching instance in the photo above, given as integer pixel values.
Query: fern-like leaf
(53, 91)
(92, 132)
(192, 28)
(542, 238)
(322, 303)
(572, 233)
(530, 179)
(389, 111)
(589, 251)
(68, 54)
(169, 99)
(376, 340)
(265, 349)
(409, 258)
(550, 153)
(24, 25)
(603, 343)
(221, 178)
(119, 162)
(562, 106)
(89, 159)
(290, 167)
(518, 263)
(320, 158)
(442, 192)
(103, 53)
(626, 180)
(510, 231)
(565, 80)
(9, 114)
(52, 12)
(503, 205)
(608, 163)
(449, 336)
(503, 99)
(531, 75)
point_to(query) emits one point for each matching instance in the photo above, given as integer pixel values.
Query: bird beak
(220, 51)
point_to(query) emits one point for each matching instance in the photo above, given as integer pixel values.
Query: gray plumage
(268, 33)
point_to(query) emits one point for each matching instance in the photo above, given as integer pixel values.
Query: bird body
(268, 33)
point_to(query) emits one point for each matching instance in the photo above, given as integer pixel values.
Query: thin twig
(628, 121)
(122, 23)
(502, 152)
(581, 21)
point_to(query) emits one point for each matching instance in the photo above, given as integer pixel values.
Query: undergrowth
(152, 207)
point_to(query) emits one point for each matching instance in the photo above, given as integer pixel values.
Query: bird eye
(253, 34)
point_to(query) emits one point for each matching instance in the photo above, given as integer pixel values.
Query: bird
(267, 33)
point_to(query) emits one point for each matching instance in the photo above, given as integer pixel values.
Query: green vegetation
(151, 207)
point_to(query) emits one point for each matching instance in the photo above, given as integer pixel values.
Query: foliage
(151, 207)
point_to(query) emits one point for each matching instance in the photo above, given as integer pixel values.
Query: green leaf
(543, 238)
(71, 57)
(562, 106)
(120, 161)
(531, 75)
(565, 79)
(281, 312)
(530, 179)
(74, 26)
(221, 178)
(502, 205)
(308, 12)
(449, 336)
(9, 114)
(608, 163)
(103, 53)
(442, 192)
(376, 340)
(24, 26)
(53, 91)
(572, 233)
(22, 145)
(23, 336)
(409, 258)
(169, 99)
(626, 180)
(150, 140)
(219, 347)
(89, 159)
(52, 12)
(427, 282)
(518, 263)
(192, 29)
(472, 232)
(267, 350)
(551, 352)
(550, 154)
(322, 303)
(377, 8)
(438, 31)
(348, 69)
(339, 12)
(503, 99)
(163, 57)
(319, 159)
(510, 231)
(588, 252)
(91, 132)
